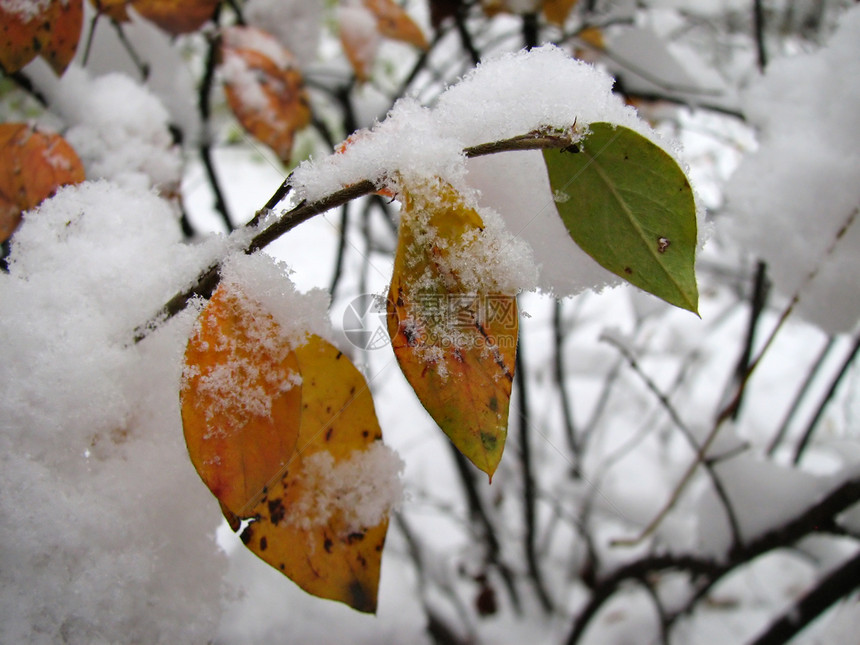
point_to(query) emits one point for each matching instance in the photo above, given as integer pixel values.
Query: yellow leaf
(592, 36)
(455, 345)
(264, 88)
(556, 11)
(176, 16)
(299, 526)
(33, 165)
(288, 441)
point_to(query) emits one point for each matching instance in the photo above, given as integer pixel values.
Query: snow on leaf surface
(454, 337)
(240, 399)
(264, 88)
(323, 520)
(281, 428)
(49, 29)
(33, 165)
(629, 205)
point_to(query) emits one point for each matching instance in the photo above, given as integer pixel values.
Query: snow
(132, 146)
(415, 142)
(365, 487)
(790, 214)
(112, 532)
(295, 24)
(91, 457)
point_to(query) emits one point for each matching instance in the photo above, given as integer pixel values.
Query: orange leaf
(240, 400)
(177, 16)
(393, 22)
(302, 465)
(115, 9)
(455, 346)
(359, 37)
(557, 11)
(59, 49)
(33, 165)
(264, 88)
(305, 525)
(51, 29)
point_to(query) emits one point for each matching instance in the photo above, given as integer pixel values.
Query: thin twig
(529, 496)
(205, 145)
(801, 395)
(728, 411)
(831, 391)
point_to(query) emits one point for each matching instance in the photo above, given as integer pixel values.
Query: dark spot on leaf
(276, 511)
(264, 543)
(352, 390)
(281, 566)
(377, 436)
(365, 434)
(328, 433)
(361, 561)
(489, 441)
(246, 534)
(357, 536)
(494, 404)
(662, 244)
(360, 599)
(339, 354)
(327, 544)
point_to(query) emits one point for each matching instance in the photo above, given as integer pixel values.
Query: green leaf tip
(630, 207)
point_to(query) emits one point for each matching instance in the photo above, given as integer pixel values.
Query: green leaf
(628, 204)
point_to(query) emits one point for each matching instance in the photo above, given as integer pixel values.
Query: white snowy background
(109, 536)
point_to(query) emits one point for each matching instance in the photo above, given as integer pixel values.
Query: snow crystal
(119, 130)
(791, 198)
(296, 24)
(502, 98)
(102, 547)
(364, 487)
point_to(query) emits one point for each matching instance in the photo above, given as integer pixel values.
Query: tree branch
(818, 517)
(837, 584)
(208, 280)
